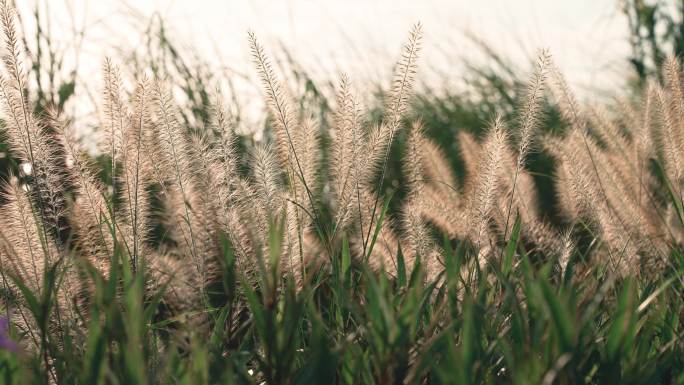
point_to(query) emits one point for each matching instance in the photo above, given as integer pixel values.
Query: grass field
(353, 245)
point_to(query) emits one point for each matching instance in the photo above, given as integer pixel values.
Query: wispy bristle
(470, 151)
(346, 152)
(485, 187)
(26, 250)
(266, 179)
(437, 170)
(308, 154)
(568, 105)
(381, 136)
(404, 77)
(91, 212)
(278, 105)
(136, 174)
(531, 108)
(413, 162)
(567, 250)
(27, 134)
(114, 111)
(673, 155)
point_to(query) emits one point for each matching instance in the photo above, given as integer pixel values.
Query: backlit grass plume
(181, 255)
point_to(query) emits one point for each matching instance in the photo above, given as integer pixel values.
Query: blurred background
(588, 38)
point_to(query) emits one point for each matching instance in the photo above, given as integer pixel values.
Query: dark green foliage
(513, 323)
(655, 29)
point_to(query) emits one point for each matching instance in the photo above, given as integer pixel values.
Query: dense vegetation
(352, 245)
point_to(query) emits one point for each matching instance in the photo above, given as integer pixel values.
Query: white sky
(360, 37)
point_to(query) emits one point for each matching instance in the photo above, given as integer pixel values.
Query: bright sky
(360, 37)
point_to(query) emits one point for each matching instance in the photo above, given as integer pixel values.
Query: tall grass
(186, 267)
